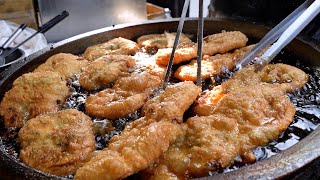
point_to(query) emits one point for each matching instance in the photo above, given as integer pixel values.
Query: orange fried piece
(105, 70)
(242, 120)
(184, 52)
(173, 102)
(114, 104)
(160, 41)
(145, 81)
(206, 103)
(33, 94)
(133, 150)
(57, 143)
(213, 44)
(114, 46)
(65, 64)
(210, 65)
(223, 42)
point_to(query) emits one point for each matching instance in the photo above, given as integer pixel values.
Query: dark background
(269, 12)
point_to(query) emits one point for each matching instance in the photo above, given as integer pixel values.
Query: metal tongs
(176, 41)
(280, 35)
(284, 32)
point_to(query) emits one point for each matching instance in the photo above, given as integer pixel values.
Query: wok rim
(280, 165)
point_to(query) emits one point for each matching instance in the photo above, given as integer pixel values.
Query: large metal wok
(283, 164)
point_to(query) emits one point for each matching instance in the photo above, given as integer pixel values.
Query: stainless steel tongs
(281, 35)
(284, 32)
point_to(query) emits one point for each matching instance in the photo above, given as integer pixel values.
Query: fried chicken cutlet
(210, 65)
(159, 41)
(286, 77)
(131, 152)
(126, 96)
(213, 44)
(114, 46)
(57, 143)
(33, 94)
(65, 64)
(172, 103)
(143, 141)
(105, 70)
(242, 120)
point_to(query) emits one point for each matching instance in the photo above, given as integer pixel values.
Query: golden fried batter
(143, 141)
(245, 77)
(213, 44)
(130, 152)
(185, 52)
(207, 102)
(66, 65)
(210, 65)
(105, 70)
(286, 77)
(139, 82)
(126, 96)
(160, 41)
(172, 103)
(113, 46)
(33, 94)
(223, 42)
(114, 104)
(57, 143)
(243, 119)
(209, 143)
(262, 112)
(290, 78)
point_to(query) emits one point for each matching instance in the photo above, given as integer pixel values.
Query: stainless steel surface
(289, 34)
(272, 36)
(13, 57)
(175, 44)
(87, 15)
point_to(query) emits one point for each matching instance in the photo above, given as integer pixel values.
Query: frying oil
(306, 119)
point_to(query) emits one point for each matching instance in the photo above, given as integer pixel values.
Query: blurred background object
(175, 6)
(88, 15)
(269, 12)
(157, 12)
(35, 44)
(18, 11)
(194, 6)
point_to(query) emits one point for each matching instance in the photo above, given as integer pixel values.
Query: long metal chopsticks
(15, 34)
(200, 43)
(177, 38)
(47, 26)
(176, 41)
